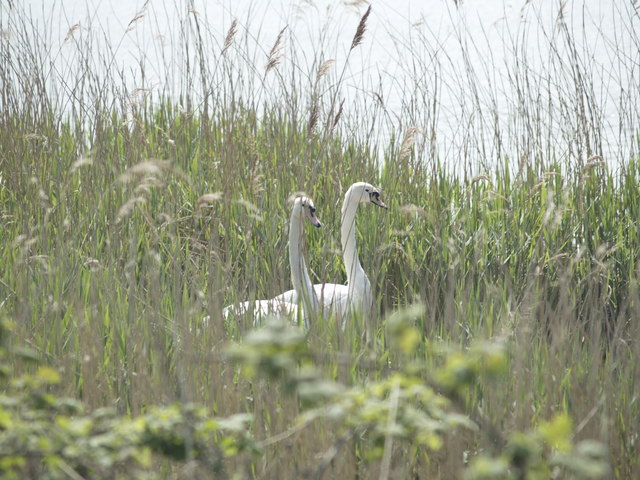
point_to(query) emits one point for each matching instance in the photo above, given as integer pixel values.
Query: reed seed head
(362, 26)
(231, 33)
(274, 55)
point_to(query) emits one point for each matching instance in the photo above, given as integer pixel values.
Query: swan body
(356, 295)
(261, 308)
(303, 209)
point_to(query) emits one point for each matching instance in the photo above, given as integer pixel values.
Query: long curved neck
(299, 274)
(348, 238)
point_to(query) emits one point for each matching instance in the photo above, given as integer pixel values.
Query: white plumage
(303, 209)
(356, 295)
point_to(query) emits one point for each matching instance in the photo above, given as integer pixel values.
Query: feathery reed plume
(324, 68)
(479, 178)
(228, 40)
(71, 31)
(146, 184)
(362, 26)
(36, 138)
(336, 119)
(138, 95)
(252, 210)
(81, 162)
(208, 199)
(248, 205)
(92, 264)
(127, 208)
(593, 162)
(274, 54)
(149, 168)
(407, 142)
(410, 208)
(139, 16)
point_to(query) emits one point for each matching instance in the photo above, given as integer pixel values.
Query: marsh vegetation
(505, 335)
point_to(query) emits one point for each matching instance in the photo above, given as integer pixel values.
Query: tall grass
(130, 214)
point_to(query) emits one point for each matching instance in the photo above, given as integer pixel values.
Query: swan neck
(348, 238)
(299, 273)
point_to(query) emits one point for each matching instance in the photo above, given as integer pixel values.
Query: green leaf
(557, 432)
(48, 375)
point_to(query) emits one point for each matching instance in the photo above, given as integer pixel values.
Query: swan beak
(375, 199)
(314, 220)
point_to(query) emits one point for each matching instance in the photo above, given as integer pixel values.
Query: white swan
(303, 208)
(356, 295)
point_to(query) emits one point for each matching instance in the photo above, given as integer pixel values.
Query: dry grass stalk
(355, 3)
(336, 119)
(248, 205)
(139, 16)
(561, 11)
(593, 162)
(407, 142)
(362, 26)
(274, 55)
(313, 118)
(228, 40)
(551, 174)
(92, 264)
(495, 194)
(255, 177)
(140, 93)
(411, 208)
(208, 199)
(377, 96)
(324, 68)
(71, 31)
(385, 466)
(481, 177)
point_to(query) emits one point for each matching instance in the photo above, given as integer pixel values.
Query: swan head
(304, 207)
(366, 193)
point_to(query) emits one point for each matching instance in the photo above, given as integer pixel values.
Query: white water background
(485, 65)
